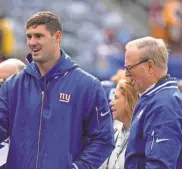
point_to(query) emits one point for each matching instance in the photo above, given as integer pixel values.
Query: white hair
(153, 49)
(13, 63)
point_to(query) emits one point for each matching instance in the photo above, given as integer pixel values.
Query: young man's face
(41, 43)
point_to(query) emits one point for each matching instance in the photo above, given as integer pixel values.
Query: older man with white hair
(8, 68)
(155, 139)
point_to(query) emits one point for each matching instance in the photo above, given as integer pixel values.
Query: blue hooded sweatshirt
(57, 121)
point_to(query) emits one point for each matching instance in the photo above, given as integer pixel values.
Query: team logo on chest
(63, 97)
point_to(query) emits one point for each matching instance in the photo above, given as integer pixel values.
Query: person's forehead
(3, 74)
(132, 56)
(118, 91)
(6, 71)
(37, 29)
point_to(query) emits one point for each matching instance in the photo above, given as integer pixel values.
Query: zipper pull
(96, 108)
(42, 95)
(153, 133)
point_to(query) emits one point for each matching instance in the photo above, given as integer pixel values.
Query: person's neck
(46, 66)
(163, 77)
(126, 122)
(156, 79)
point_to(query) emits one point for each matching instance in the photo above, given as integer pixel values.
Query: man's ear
(151, 66)
(58, 36)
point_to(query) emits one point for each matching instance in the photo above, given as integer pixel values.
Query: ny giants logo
(63, 97)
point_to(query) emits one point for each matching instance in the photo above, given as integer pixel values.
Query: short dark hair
(47, 18)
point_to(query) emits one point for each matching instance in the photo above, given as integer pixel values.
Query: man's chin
(135, 84)
(37, 59)
(137, 87)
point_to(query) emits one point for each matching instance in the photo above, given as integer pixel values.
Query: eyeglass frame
(129, 68)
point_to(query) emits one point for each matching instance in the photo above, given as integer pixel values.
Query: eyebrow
(35, 34)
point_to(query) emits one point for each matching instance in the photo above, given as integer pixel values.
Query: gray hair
(153, 49)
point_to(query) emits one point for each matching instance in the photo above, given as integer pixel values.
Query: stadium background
(96, 31)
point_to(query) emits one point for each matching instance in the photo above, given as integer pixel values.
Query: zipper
(153, 139)
(40, 126)
(96, 108)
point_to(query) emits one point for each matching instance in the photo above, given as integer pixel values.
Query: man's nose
(32, 41)
(111, 102)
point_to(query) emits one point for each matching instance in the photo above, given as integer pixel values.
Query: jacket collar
(164, 83)
(63, 65)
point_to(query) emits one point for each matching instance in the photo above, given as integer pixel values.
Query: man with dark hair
(56, 115)
(49, 19)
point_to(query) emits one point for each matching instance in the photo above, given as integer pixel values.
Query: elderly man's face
(137, 69)
(6, 71)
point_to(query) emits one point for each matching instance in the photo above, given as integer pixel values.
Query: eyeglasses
(129, 68)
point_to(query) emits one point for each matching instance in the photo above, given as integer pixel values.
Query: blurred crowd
(95, 37)
(93, 34)
(165, 21)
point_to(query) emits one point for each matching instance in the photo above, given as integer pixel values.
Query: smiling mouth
(113, 110)
(36, 50)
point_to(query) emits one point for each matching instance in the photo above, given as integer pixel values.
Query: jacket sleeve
(163, 137)
(99, 130)
(3, 112)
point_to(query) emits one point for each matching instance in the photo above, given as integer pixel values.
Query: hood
(63, 65)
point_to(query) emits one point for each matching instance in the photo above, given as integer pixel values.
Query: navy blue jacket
(58, 121)
(155, 140)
